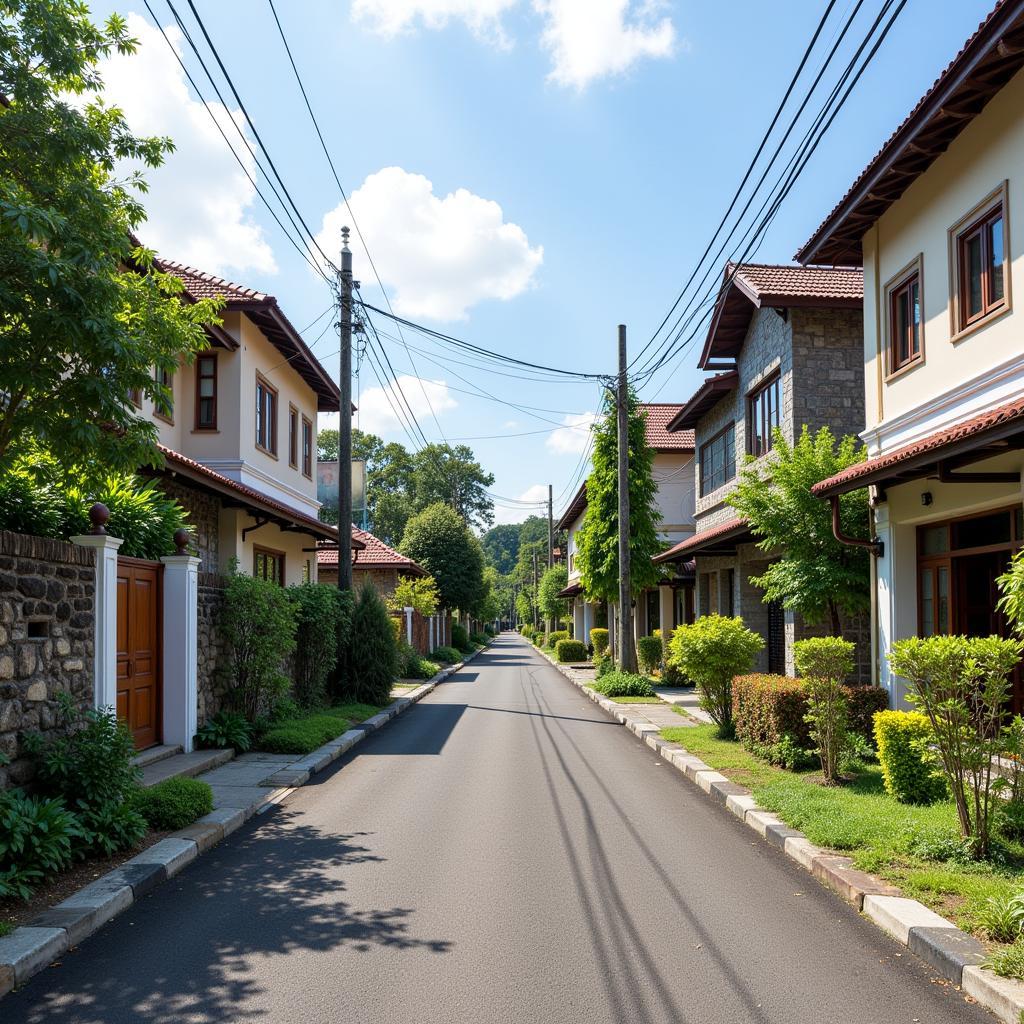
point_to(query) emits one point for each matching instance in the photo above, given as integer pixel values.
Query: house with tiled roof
(783, 350)
(671, 601)
(373, 562)
(931, 221)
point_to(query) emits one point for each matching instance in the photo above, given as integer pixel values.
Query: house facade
(932, 222)
(785, 346)
(373, 562)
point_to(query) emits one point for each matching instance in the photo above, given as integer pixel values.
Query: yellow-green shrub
(599, 638)
(648, 650)
(909, 777)
(556, 636)
(570, 650)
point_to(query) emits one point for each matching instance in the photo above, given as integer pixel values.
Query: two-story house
(785, 343)
(672, 601)
(931, 220)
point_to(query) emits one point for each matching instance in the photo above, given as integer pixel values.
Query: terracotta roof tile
(692, 545)
(374, 554)
(659, 415)
(774, 281)
(201, 285)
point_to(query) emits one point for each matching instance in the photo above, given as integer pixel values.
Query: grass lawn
(302, 735)
(913, 847)
(6, 927)
(637, 700)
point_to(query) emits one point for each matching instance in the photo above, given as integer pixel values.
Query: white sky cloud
(535, 492)
(377, 415)
(573, 437)
(199, 202)
(587, 39)
(440, 254)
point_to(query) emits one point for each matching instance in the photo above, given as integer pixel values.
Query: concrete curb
(953, 953)
(31, 948)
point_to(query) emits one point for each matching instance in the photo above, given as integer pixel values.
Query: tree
(597, 542)
(501, 546)
(551, 605)
(816, 576)
(450, 474)
(440, 541)
(524, 607)
(85, 316)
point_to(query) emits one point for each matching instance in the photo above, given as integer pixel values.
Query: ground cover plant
(623, 684)
(173, 803)
(305, 732)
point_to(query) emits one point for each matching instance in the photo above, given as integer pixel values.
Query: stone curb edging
(953, 953)
(31, 948)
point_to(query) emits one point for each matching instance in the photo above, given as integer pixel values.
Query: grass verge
(637, 700)
(304, 734)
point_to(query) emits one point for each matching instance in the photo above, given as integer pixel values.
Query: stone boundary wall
(47, 639)
(210, 646)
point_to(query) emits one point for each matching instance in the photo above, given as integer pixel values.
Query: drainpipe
(875, 546)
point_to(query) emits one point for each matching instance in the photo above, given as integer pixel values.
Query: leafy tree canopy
(84, 315)
(551, 605)
(501, 546)
(439, 540)
(442, 472)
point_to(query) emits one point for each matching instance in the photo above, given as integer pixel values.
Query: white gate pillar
(408, 624)
(180, 645)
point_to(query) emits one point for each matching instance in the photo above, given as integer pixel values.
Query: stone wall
(384, 581)
(210, 646)
(47, 638)
(203, 519)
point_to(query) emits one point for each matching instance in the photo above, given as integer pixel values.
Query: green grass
(916, 848)
(6, 927)
(637, 700)
(305, 734)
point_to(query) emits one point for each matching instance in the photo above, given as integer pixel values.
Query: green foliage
(526, 629)
(816, 576)
(567, 650)
(902, 738)
(440, 541)
(863, 702)
(449, 474)
(418, 592)
(603, 664)
(623, 684)
(827, 715)
(447, 655)
(480, 639)
(501, 546)
(88, 765)
(316, 640)
(36, 841)
(373, 655)
(769, 709)
(597, 553)
(550, 604)
(599, 638)
(173, 803)
(648, 652)
(824, 657)
(337, 678)
(1007, 962)
(540, 638)
(555, 635)
(524, 609)
(1002, 917)
(460, 639)
(413, 666)
(961, 684)
(258, 626)
(1011, 590)
(79, 331)
(225, 729)
(301, 735)
(711, 652)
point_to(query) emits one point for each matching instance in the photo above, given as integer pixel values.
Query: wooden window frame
(169, 384)
(293, 436)
(307, 456)
(278, 556)
(197, 426)
(135, 397)
(720, 436)
(262, 382)
(897, 285)
(771, 380)
(994, 205)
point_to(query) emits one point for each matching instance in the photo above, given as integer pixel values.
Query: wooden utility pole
(345, 419)
(535, 621)
(627, 649)
(551, 532)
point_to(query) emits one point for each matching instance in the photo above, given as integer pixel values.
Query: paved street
(501, 853)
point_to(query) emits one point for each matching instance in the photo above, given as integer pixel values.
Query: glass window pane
(915, 304)
(943, 595)
(902, 327)
(206, 387)
(982, 530)
(973, 270)
(934, 540)
(926, 582)
(996, 285)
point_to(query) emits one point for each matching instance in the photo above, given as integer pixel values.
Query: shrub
(539, 638)
(907, 768)
(826, 715)
(418, 592)
(460, 639)
(555, 635)
(863, 702)
(624, 684)
(447, 655)
(768, 709)
(373, 653)
(412, 666)
(479, 639)
(648, 652)
(489, 629)
(670, 674)
(711, 652)
(337, 678)
(316, 641)
(603, 664)
(257, 624)
(1002, 917)
(302, 735)
(824, 657)
(599, 638)
(570, 650)
(225, 729)
(173, 803)
(36, 837)
(526, 629)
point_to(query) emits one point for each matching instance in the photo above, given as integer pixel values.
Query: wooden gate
(139, 683)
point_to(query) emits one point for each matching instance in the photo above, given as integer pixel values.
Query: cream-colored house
(937, 222)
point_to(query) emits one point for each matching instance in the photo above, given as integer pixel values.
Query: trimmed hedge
(907, 775)
(448, 655)
(599, 638)
(570, 650)
(526, 630)
(623, 684)
(539, 638)
(173, 803)
(557, 635)
(648, 650)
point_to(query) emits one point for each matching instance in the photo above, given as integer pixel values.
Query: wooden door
(138, 649)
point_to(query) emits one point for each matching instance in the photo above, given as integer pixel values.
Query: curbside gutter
(950, 951)
(50, 934)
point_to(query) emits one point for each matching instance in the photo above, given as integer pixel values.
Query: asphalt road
(502, 852)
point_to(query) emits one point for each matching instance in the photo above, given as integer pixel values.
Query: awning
(573, 590)
(717, 540)
(708, 395)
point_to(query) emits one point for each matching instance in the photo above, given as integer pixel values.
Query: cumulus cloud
(573, 437)
(377, 405)
(587, 39)
(440, 254)
(199, 201)
(516, 514)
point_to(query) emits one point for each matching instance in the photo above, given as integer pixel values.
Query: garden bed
(305, 733)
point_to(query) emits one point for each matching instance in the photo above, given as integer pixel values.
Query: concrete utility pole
(345, 419)
(535, 621)
(627, 649)
(551, 532)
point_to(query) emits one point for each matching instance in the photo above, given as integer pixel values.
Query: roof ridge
(216, 279)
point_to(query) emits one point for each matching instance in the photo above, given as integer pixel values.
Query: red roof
(201, 285)
(996, 424)
(981, 68)
(707, 396)
(659, 416)
(374, 554)
(703, 538)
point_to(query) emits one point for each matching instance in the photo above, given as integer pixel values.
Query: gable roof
(372, 553)
(574, 509)
(986, 62)
(656, 428)
(265, 312)
(722, 537)
(706, 397)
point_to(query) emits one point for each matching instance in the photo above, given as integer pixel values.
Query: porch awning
(573, 590)
(717, 540)
(991, 433)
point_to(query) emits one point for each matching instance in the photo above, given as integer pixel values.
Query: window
(164, 404)
(293, 437)
(307, 447)
(206, 392)
(307, 571)
(135, 395)
(763, 416)
(905, 323)
(981, 265)
(718, 460)
(266, 417)
(268, 565)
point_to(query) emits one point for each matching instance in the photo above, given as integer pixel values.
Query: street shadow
(191, 950)
(462, 676)
(423, 729)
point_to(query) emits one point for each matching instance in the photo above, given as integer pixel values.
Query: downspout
(876, 668)
(875, 546)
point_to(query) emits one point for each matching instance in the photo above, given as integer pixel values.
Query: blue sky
(527, 176)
